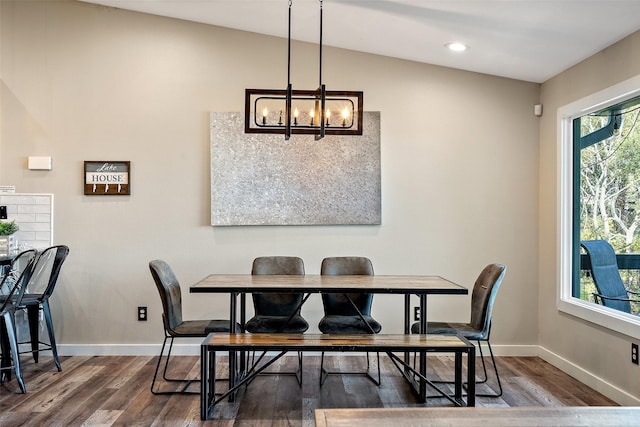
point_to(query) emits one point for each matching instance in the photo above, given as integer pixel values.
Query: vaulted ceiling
(520, 39)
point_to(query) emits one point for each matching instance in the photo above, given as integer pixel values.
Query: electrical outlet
(142, 314)
(634, 353)
(3, 212)
(416, 313)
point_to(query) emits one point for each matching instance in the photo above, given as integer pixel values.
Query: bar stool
(12, 288)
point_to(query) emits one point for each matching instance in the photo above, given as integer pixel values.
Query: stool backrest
(46, 271)
(15, 278)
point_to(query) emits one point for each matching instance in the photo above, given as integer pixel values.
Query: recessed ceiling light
(457, 47)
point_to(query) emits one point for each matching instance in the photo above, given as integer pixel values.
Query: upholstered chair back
(338, 304)
(483, 297)
(274, 304)
(170, 294)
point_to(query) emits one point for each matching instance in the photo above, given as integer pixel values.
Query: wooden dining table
(239, 285)
(407, 285)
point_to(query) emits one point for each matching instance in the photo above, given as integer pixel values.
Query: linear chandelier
(317, 112)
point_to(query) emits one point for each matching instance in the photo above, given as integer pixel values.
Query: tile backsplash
(34, 215)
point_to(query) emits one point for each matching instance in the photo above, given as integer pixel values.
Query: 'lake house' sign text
(106, 178)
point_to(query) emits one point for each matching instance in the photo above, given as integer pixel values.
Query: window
(600, 196)
(606, 188)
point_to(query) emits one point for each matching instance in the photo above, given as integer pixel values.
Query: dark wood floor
(115, 391)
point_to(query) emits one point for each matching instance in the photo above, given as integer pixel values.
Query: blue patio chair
(611, 291)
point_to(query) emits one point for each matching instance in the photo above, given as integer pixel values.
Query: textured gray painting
(265, 180)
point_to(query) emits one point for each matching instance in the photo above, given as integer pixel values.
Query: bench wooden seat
(335, 342)
(283, 343)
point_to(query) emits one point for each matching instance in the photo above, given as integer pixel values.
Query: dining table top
(316, 283)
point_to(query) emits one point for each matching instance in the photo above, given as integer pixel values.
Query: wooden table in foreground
(407, 285)
(618, 416)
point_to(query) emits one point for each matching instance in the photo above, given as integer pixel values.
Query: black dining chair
(348, 313)
(478, 328)
(36, 299)
(610, 288)
(278, 312)
(12, 287)
(174, 326)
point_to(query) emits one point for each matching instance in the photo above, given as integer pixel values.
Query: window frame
(615, 320)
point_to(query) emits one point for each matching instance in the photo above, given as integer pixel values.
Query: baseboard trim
(600, 385)
(193, 349)
(183, 348)
(179, 349)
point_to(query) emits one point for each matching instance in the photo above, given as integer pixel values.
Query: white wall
(595, 352)
(85, 82)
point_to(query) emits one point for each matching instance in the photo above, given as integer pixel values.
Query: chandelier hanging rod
(320, 104)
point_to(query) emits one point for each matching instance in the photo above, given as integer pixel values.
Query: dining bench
(280, 344)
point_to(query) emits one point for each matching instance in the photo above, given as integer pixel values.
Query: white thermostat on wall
(39, 163)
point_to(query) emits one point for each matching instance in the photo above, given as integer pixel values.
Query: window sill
(618, 321)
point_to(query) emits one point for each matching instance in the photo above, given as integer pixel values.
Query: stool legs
(8, 328)
(52, 338)
(33, 315)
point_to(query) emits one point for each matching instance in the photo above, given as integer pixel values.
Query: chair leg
(379, 374)
(495, 369)
(32, 314)
(52, 338)
(297, 373)
(484, 366)
(484, 370)
(155, 374)
(10, 328)
(325, 373)
(5, 353)
(166, 364)
(164, 372)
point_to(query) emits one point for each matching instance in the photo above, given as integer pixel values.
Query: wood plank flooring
(114, 391)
